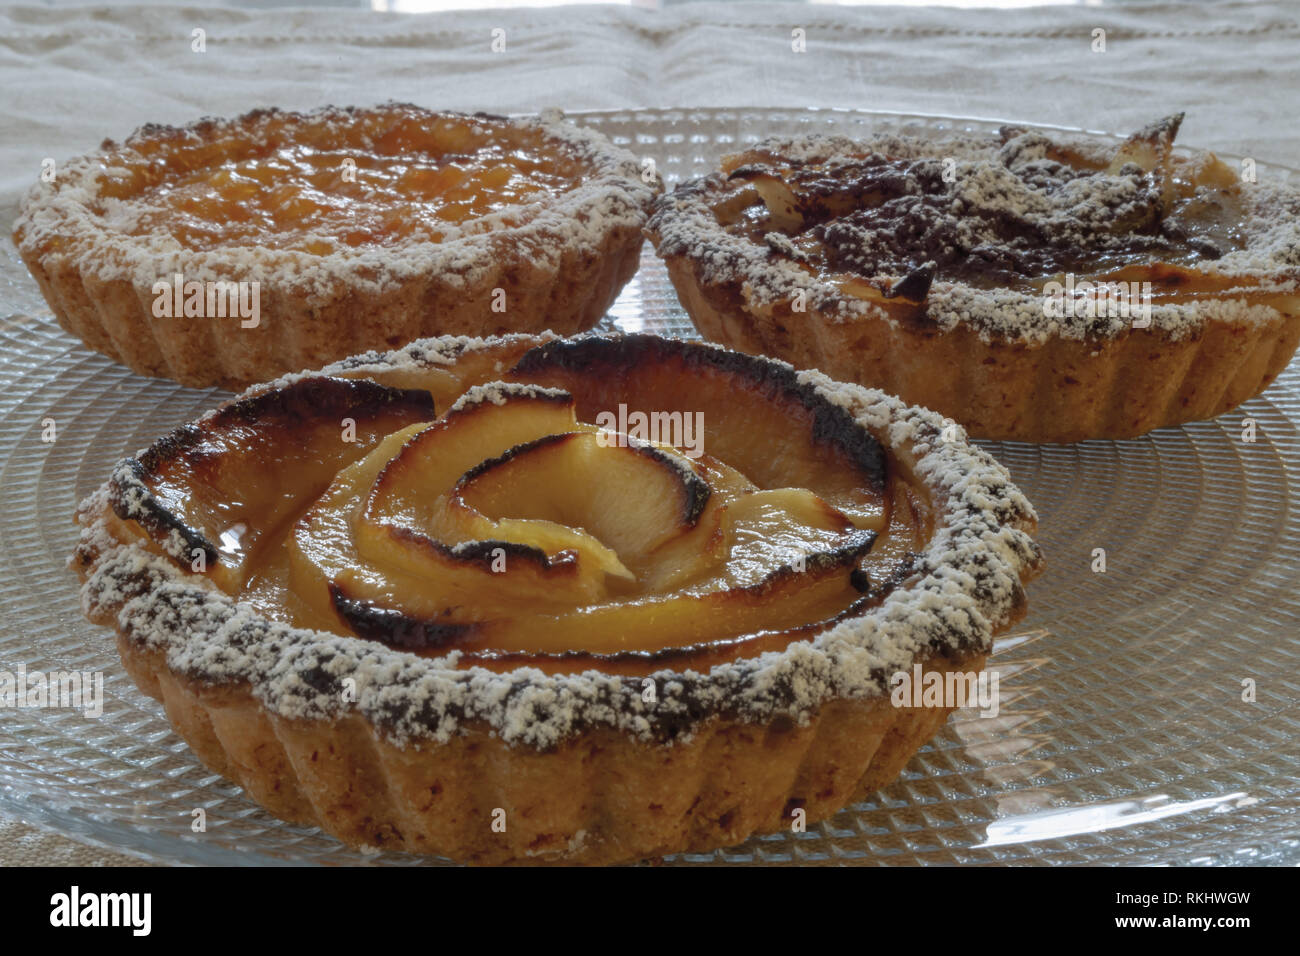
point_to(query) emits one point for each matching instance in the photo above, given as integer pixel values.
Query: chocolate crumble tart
(1029, 286)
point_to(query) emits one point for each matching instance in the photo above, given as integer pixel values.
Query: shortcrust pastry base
(115, 316)
(1065, 390)
(599, 798)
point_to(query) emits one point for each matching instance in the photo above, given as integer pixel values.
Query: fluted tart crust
(361, 228)
(423, 591)
(961, 272)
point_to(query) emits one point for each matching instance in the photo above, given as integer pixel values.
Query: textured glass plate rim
(114, 834)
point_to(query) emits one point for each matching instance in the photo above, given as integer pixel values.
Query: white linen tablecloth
(69, 77)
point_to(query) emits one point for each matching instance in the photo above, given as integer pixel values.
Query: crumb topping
(974, 227)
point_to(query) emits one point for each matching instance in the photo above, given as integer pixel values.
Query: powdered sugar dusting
(980, 223)
(498, 393)
(967, 584)
(92, 228)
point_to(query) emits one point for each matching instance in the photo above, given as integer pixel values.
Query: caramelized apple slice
(320, 544)
(1150, 149)
(784, 598)
(484, 423)
(745, 403)
(374, 622)
(331, 547)
(562, 564)
(782, 526)
(794, 206)
(781, 201)
(582, 480)
(813, 548)
(406, 522)
(217, 482)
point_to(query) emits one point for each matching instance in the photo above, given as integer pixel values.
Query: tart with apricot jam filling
(227, 252)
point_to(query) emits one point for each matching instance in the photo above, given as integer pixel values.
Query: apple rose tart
(228, 252)
(1030, 287)
(525, 598)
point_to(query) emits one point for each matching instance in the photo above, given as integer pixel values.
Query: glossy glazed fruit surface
(493, 506)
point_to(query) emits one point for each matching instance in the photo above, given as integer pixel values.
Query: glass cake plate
(1122, 736)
